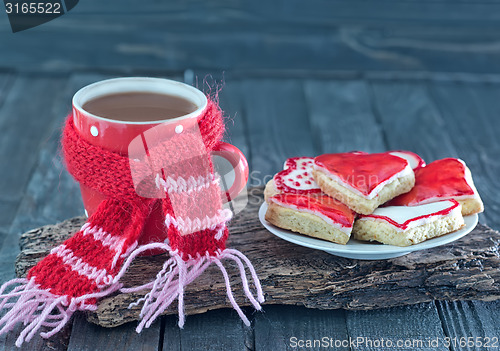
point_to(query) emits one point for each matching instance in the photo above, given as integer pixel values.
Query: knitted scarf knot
(89, 265)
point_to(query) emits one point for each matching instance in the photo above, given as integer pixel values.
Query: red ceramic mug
(117, 135)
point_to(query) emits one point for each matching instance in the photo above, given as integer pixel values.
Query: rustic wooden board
(466, 269)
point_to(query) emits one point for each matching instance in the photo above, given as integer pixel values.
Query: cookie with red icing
(315, 215)
(296, 178)
(448, 178)
(363, 181)
(405, 225)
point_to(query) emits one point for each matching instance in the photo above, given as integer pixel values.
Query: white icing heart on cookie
(297, 177)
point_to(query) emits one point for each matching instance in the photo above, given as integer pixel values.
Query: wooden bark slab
(294, 275)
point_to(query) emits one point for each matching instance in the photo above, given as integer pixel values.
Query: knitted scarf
(89, 265)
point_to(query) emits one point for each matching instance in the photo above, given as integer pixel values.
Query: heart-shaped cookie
(364, 174)
(297, 177)
(448, 178)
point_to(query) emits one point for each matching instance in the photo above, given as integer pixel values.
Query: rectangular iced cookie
(409, 225)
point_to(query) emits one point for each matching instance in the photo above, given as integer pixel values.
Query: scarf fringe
(176, 274)
(36, 307)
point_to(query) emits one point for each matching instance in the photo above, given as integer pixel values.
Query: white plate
(364, 250)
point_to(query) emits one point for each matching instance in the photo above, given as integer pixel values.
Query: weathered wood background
(301, 78)
(262, 37)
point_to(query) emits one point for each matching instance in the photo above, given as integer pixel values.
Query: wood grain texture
(25, 99)
(342, 118)
(56, 343)
(410, 119)
(8, 208)
(280, 327)
(432, 120)
(462, 319)
(318, 11)
(51, 194)
(319, 35)
(466, 269)
(471, 115)
(419, 324)
(26, 116)
(278, 127)
(6, 80)
(90, 337)
(212, 331)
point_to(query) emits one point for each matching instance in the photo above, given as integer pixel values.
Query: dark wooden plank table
(271, 119)
(263, 36)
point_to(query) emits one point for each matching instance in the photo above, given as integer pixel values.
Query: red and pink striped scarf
(89, 265)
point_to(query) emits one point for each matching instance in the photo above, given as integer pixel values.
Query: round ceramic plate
(364, 250)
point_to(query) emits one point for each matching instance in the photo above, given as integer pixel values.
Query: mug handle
(240, 166)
